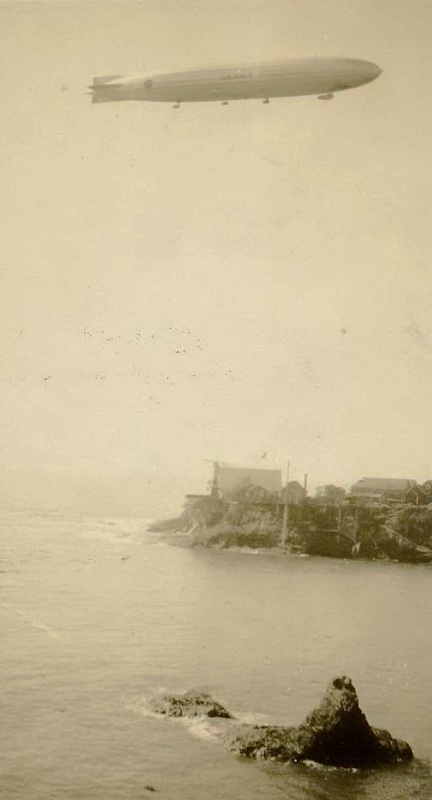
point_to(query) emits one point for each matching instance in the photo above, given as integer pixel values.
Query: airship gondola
(292, 77)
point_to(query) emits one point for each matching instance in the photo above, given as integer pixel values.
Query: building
(419, 495)
(374, 491)
(427, 488)
(296, 493)
(416, 496)
(227, 478)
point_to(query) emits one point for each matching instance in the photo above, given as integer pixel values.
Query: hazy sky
(215, 281)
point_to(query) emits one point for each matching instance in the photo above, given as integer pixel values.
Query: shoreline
(392, 534)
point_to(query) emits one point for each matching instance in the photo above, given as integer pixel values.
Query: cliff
(402, 533)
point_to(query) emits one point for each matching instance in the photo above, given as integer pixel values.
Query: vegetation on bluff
(397, 533)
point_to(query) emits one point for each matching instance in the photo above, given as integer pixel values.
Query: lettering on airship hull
(234, 76)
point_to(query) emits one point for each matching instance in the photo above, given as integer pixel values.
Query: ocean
(99, 615)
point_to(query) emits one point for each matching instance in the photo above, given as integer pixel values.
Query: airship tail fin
(104, 97)
(101, 79)
(101, 90)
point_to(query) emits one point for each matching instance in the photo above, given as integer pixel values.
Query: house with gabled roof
(374, 491)
(427, 488)
(417, 496)
(296, 493)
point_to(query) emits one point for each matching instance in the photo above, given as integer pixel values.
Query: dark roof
(383, 484)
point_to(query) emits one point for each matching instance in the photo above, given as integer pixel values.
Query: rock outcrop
(336, 733)
(349, 531)
(190, 704)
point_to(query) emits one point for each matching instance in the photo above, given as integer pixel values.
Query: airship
(291, 77)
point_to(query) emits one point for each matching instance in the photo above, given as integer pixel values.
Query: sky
(212, 282)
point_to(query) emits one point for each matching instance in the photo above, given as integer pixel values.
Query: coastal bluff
(394, 533)
(335, 734)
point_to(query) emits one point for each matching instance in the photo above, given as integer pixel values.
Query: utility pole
(339, 522)
(286, 510)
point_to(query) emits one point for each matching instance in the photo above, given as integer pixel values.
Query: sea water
(99, 615)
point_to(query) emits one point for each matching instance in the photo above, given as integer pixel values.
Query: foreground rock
(190, 704)
(336, 733)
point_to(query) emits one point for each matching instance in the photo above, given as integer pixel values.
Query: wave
(123, 530)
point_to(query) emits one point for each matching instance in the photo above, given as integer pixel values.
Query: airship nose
(373, 71)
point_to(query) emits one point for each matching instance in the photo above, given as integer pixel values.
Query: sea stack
(336, 733)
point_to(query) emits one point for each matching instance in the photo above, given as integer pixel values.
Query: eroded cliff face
(398, 534)
(214, 523)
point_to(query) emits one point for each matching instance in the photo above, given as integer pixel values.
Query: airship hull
(290, 78)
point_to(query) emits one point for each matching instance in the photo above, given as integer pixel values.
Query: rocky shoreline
(335, 734)
(396, 534)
